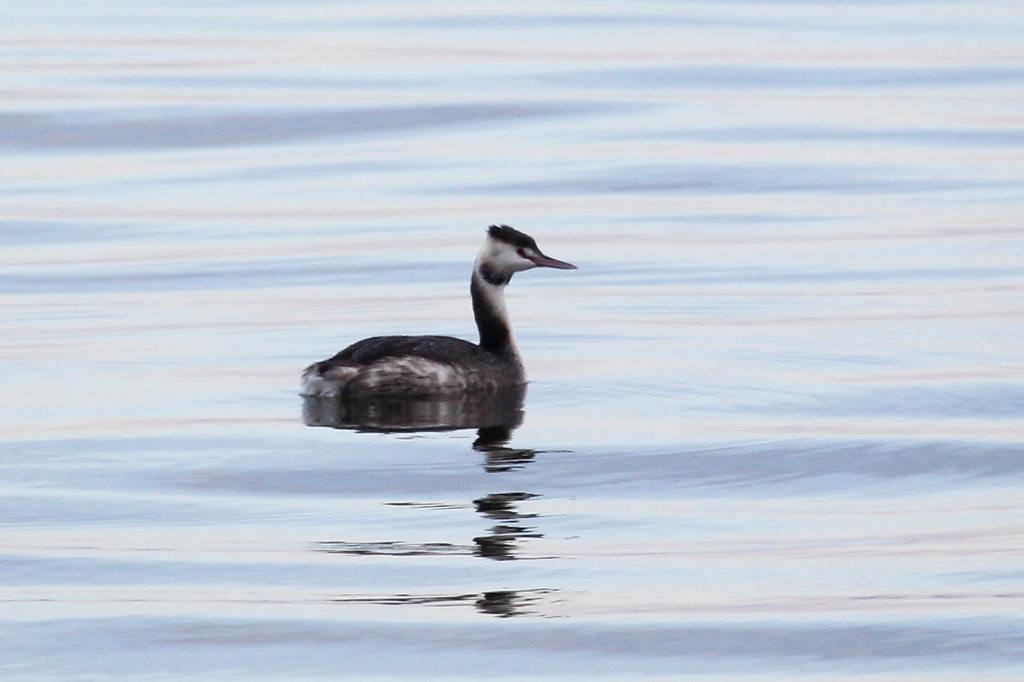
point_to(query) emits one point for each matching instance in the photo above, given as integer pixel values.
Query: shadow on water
(495, 415)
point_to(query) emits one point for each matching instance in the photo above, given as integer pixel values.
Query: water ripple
(183, 129)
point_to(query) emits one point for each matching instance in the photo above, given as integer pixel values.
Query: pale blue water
(774, 424)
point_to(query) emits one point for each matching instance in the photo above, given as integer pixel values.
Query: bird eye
(522, 254)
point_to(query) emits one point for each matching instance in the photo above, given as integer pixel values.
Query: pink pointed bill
(542, 261)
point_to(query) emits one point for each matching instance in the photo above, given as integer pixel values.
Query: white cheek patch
(503, 257)
(512, 262)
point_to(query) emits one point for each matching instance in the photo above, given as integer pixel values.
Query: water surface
(773, 427)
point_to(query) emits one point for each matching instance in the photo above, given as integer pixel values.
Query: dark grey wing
(439, 348)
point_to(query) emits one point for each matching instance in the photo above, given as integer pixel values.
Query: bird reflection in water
(495, 415)
(500, 603)
(498, 457)
(501, 542)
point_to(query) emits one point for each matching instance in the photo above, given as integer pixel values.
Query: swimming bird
(410, 366)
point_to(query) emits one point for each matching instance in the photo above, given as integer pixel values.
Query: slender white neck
(487, 289)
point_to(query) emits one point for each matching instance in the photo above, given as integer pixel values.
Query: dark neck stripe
(495, 335)
(491, 276)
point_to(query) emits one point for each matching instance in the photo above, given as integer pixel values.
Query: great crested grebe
(409, 366)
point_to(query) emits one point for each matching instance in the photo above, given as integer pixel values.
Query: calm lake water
(774, 424)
